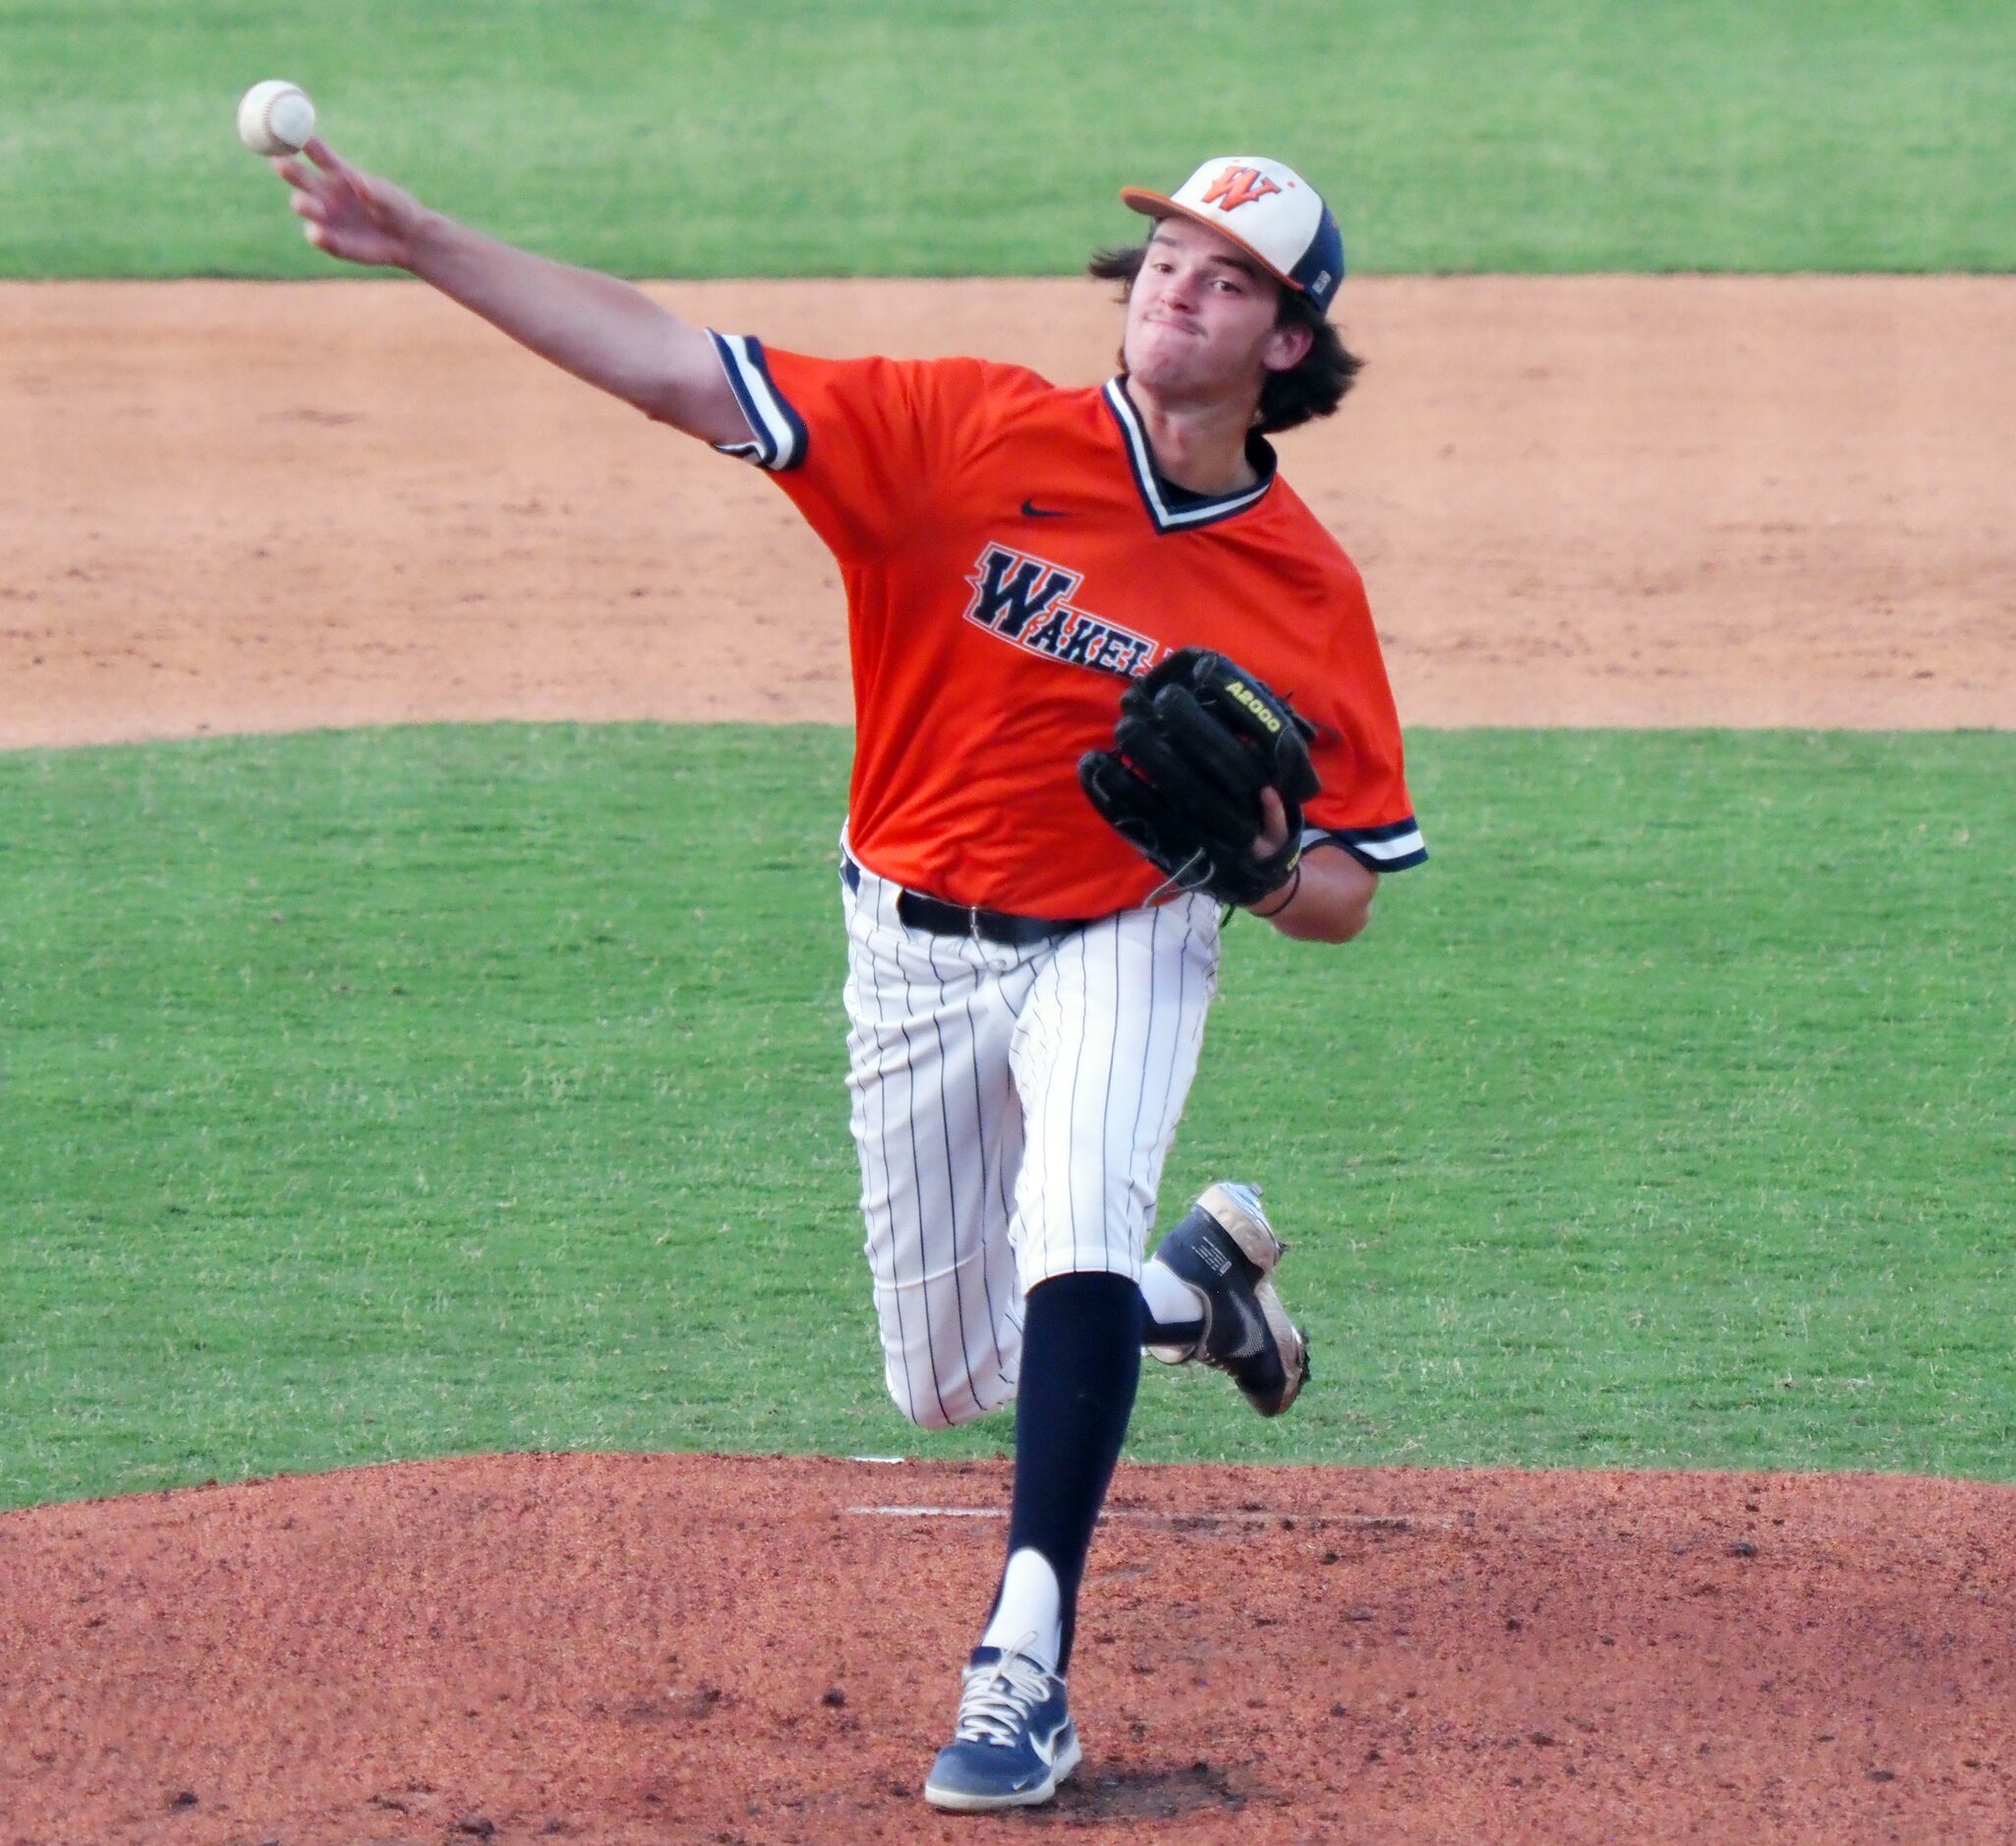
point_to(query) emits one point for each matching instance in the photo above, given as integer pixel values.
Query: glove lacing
(1186, 878)
(997, 1700)
(1181, 879)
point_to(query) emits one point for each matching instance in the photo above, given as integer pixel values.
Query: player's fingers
(306, 183)
(331, 173)
(339, 169)
(302, 179)
(306, 205)
(1273, 824)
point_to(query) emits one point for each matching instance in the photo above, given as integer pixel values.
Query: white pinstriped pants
(1013, 1109)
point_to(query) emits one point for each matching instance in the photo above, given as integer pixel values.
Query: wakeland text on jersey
(1024, 600)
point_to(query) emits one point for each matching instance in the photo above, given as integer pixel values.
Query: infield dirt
(1596, 501)
(1672, 502)
(695, 1647)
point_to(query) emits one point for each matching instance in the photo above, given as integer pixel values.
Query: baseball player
(1036, 576)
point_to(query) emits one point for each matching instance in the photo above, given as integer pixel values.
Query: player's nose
(1177, 292)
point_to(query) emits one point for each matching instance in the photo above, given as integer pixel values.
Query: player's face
(1201, 319)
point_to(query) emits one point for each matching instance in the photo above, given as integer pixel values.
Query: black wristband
(1294, 885)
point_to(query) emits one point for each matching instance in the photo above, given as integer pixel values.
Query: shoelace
(997, 1699)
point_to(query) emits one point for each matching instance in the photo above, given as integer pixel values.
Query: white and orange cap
(1266, 209)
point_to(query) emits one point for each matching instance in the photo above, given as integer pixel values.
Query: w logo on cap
(1237, 187)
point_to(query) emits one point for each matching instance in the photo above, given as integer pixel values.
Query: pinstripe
(1031, 1200)
(956, 1220)
(952, 1174)
(1020, 1019)
(1070, 1161)
(1106, 1105)
(896, 1196)
(980, 1129)
(873, 987)
(1009, 1159)
(1183, 1010)
(923, 1234)
(1180, 1055)
(1085, 1046)
(1001, 1164)
(1015, 1008)
(1020, 976)
(1035, 1204)
(1147, 1036)
(1037, 1158)
(1087, 1026)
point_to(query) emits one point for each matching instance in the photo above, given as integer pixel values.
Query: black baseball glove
(1196, 742)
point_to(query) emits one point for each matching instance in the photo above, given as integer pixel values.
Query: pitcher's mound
(698, 1648)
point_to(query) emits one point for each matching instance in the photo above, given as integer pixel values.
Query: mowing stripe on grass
(921, 138)
(416, 1093)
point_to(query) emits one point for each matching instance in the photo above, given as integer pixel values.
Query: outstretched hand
(351, 215)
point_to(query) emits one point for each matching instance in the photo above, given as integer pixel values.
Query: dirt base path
(694, 1648)
(1595, 501)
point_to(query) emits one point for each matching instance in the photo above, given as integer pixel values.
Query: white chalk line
(1391, 1522)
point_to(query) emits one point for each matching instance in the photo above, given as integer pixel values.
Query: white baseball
(276, 118)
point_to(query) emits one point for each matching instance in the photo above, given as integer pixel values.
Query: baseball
(276, 118)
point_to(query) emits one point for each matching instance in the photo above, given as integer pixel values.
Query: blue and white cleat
(1013, 1742)
(1226, 1249)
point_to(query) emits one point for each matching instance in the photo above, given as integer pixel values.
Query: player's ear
(1286, 347)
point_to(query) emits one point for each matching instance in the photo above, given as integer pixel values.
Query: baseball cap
(1266, 209)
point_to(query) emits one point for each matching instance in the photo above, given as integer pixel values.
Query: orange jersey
(1010, 557)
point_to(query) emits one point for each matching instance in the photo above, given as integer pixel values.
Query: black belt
(936, 917)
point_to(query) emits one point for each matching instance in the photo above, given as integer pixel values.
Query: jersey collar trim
(1170, 507)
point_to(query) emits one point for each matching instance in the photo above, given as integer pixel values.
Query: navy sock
(1081, 1364)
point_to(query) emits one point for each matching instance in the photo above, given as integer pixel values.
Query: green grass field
(949, 137)
(386, 1094)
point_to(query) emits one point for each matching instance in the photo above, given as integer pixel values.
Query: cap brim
(1160, 205)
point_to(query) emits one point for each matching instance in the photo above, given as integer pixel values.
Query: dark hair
(1312, 389)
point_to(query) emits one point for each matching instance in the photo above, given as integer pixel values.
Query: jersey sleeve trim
(777, 440)
(1390, 849)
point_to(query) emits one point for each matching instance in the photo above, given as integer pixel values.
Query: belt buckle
(974, 923)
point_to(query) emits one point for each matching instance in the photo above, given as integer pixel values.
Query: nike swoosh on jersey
(1030, 510)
